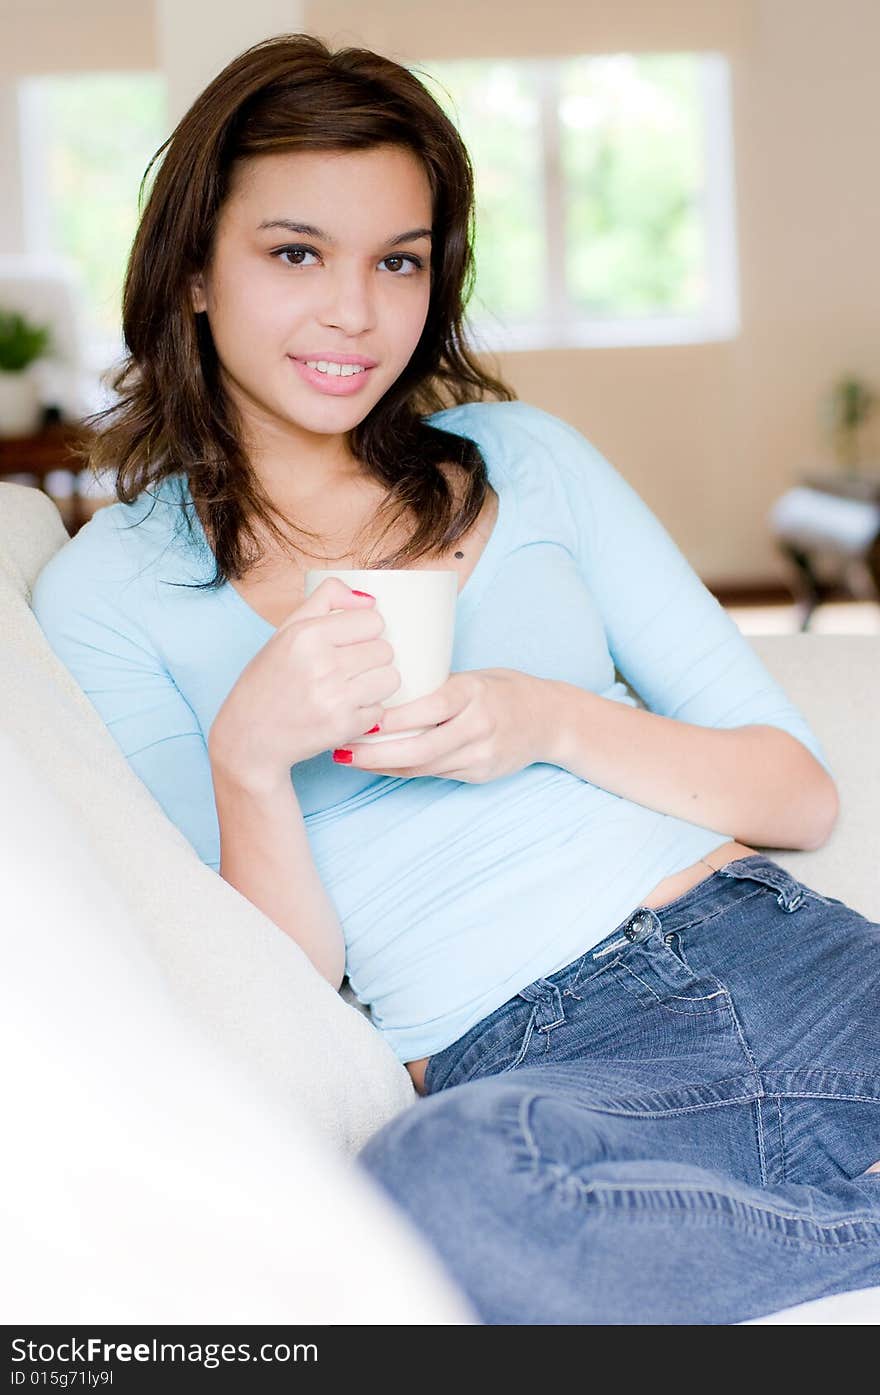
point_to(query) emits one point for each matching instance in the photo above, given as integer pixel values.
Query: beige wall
(708, 434)
(711, 434)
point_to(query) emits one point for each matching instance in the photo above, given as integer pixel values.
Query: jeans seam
(680, 997)
(792, 887)
(758, 1116)
(737, 1026)
(569, 988)
(499, 1056)
(830, 1095)
(680, 1196)
(617, 1110)
(759, 1218)
(616, 1107)
(526, 1041)
(720, 910)
(783, 1167)
(678, 951)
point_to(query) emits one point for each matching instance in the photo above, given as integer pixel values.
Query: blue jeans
(674, 1128)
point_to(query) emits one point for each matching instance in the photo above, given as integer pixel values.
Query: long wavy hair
(290, 92)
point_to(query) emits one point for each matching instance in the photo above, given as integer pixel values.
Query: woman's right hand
(318, 683)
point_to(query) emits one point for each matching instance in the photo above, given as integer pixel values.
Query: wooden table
(48, 450)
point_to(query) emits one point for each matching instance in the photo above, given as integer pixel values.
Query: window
(604, 193)
(604, 197)
(88, 139)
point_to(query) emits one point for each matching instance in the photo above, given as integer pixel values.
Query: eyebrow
(309, 231)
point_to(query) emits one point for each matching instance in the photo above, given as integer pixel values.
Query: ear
(197, 294)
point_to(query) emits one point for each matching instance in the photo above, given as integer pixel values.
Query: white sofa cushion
(834, 679)
(230, 968)
(147, 1181)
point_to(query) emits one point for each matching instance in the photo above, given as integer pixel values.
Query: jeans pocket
(657, 973)
(673, 940)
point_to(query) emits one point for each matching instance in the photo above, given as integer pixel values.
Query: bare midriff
(668, 890)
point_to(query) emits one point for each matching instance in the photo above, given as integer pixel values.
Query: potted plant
(21, 344)
(847, 407)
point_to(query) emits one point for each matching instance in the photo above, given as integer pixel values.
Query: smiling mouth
(334, 378)
(334, 370)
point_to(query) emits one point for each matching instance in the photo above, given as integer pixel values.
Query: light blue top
(452, 896)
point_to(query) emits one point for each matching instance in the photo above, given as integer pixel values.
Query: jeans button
(639, 924)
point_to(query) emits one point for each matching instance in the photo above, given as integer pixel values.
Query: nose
(349, 302)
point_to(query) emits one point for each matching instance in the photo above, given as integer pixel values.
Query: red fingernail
(362, 593)
(372, 729)
(343, 757)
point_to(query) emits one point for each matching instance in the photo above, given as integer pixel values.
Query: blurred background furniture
(46, 461)
(829, 528)
(47, 290)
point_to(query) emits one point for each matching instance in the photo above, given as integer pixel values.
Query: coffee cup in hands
(418, 608)
(321, 680)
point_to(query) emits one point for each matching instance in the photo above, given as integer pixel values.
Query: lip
(336, 358)
(332, 387)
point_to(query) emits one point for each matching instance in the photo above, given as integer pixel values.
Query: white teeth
(335, 370)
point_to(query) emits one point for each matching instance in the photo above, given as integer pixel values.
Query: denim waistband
(694, 905)
(708, 897)
(701, 900)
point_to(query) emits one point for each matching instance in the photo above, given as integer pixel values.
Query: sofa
(195, 1074)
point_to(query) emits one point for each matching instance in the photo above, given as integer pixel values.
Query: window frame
(564, 325)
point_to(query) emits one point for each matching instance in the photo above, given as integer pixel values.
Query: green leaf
(20, 342)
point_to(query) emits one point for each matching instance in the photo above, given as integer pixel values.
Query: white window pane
(90, 138)
(632, 147)
(494, 105)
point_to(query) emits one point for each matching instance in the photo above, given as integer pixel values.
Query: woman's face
(275, 296)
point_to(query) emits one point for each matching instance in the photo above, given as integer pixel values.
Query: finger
(400, 774)
(395, 755)
(427, 711)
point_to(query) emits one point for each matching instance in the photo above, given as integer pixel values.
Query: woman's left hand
(482, 724)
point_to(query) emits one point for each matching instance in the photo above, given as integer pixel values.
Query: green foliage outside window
(100, 131)
(632, 160)
(494, 107)
(631, 150)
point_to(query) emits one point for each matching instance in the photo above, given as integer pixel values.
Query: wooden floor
(832, 617)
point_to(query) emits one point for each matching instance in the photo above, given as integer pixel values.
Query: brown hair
(291, 93)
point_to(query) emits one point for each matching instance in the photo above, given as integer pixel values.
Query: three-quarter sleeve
(111, 657)
(669, 637)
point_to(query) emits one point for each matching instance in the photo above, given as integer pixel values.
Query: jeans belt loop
(548, 998)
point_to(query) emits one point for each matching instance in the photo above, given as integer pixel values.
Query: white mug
(418, 608)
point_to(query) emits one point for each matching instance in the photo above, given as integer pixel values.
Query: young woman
(650, 1055)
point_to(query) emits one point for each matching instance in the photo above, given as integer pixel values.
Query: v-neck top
(471, 588)
(452, 895)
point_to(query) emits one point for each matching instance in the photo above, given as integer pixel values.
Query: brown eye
(294, 251)
(414, 262)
